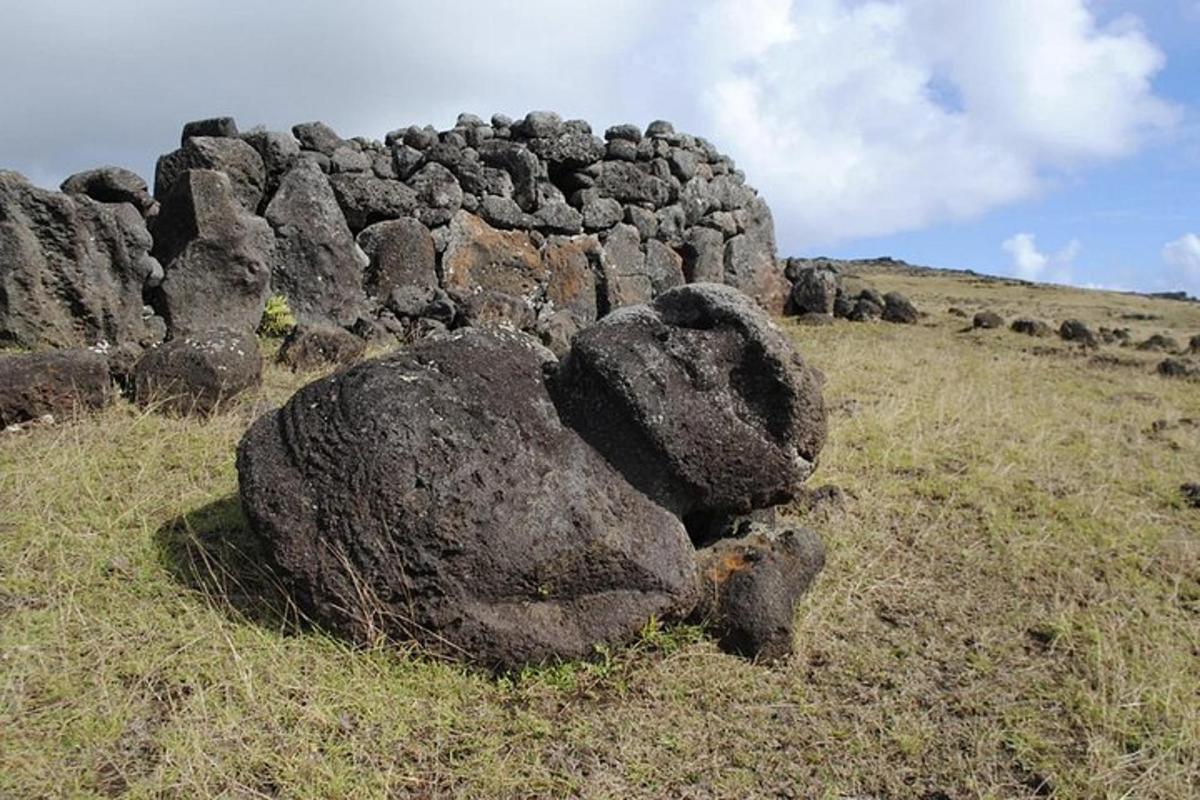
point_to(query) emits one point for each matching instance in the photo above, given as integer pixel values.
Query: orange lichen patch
(726, 565)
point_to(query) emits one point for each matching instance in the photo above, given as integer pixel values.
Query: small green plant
(277, 318)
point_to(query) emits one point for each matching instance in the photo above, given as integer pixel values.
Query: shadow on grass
(212, 551)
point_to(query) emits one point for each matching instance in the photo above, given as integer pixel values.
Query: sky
(1054, 140)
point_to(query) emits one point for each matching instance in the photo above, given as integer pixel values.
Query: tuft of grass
(1009, 607)
(277, 318)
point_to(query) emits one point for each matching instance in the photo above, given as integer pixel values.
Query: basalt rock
(750, 585)
(72, 269)
(57, 383)
(435, 495)
(318, 266)
(217, 256)
(111, 185)
(197, 374)
(309, 347)
(987, 320)
(237, 159)
(1031, 327)
(699, 400)
(1073, 330)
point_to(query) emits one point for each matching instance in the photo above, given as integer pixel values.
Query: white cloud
(1031, 264)
(1183, 256)
(867, 118)
(854, 117)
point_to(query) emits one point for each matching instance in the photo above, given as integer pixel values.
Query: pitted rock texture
(436, 496)
(72, 269)
(58, 383)
(749, 587)
(820, 290)
(194, 375)
(699, 400)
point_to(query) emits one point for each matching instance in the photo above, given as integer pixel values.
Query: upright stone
(216, 256)
(238, 160)
(318, 266)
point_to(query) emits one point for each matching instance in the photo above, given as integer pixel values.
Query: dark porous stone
(1074, 330)
(1159, 343)
(898, 308)
(987, 320)
(365, 199)
(318, 137)
(58, 383)
(1178, 368)
(111, 185)
(401, 253)
(1031, 327)
(750, 585)
(197, 374)
(72, 270)
(218, 127)
(216, 256)
(435, 495)
(699, 400)
(234, 157)
(278, 151)
(309, 347)
(814, 291)
(1191, 494)
(318, 266)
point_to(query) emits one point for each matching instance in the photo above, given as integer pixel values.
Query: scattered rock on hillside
(955, 311)
(1031, 327)
(699, 400)
(1178, 368)
(1159, 343)
(814, 291)
(1191, 494)
(897, 308)
(72, 270)
(309, 347)
(987, 320)
(195, 374)
(1194, 345)
(217, 256)
(57, 383)
(1074, 330)
(749, 587)
(435, 495)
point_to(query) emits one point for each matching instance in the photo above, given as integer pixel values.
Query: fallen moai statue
(477, 495)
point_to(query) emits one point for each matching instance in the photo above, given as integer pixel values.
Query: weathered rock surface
(435, 495)
(750, 585)
(237, 159)
(814, 290)
(309, 347)
(111, 185)
(987, 320)
(401, 254)
(72, 270)
(699, 400)
(896, 308)
(217, 256)
(318, 266)
(1031, 327)
(198, 373)
(1073, 330)
(58, 383)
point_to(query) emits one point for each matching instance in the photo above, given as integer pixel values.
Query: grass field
(1011, 607)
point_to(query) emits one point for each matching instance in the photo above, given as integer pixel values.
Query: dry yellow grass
(1011, 608)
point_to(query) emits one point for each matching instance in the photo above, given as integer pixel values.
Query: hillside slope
(1011, 605)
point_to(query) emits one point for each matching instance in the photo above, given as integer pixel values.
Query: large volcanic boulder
(57, 383)
(435, 495)
(217, 256)
(318, 266)
(197, 374)
(699, 400)
(72, 269)
(814, 291)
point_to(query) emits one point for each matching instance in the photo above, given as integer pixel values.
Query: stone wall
(536, 224)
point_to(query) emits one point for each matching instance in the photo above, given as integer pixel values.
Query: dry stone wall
(537, 224)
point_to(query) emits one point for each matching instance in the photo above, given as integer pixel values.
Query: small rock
(221, 127)
(749, 588)
(1191, 494)
(898, 308)
(1074, 330)
(309, 347)
(57, 383)
(1031, 327)
(987, 320)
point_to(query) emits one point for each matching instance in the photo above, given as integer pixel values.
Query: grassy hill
(1011, 606)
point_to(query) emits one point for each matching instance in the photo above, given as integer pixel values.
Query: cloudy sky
(1050, 139)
